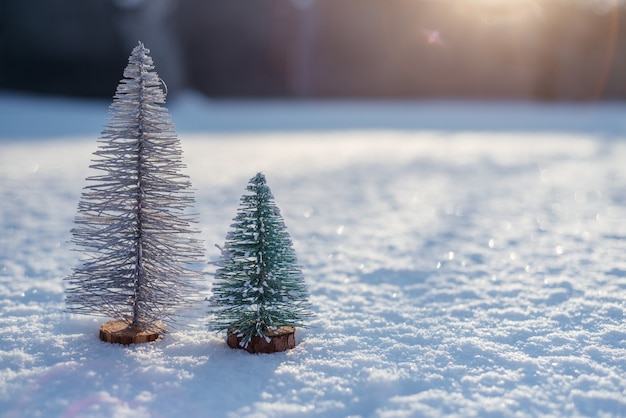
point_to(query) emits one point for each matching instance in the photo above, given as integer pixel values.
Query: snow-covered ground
(463, 259)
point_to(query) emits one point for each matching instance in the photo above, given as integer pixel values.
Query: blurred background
(476, 49)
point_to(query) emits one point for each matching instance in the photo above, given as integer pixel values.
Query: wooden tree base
(284, 338)
(119, 332)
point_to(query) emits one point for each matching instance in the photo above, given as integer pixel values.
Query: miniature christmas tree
(259, 294)
(132, 219)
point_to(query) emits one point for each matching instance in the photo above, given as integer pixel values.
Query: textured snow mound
(452, 273)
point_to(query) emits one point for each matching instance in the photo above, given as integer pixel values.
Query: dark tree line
(537, 49)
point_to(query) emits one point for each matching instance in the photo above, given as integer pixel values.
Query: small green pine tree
(258, 286)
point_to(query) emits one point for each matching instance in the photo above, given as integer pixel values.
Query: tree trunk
(284, 338)
(120, 332)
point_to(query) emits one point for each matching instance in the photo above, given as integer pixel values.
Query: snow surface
(465, 269)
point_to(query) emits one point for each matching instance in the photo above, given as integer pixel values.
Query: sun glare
(502, 11)
(599, 6)
(433, 37)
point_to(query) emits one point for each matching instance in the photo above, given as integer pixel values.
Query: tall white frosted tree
(259, 286)
(133, 221)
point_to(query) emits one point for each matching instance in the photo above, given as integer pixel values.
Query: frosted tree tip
(140, 50)
(259, 178)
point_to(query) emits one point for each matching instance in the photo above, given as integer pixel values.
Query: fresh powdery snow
(459, 268)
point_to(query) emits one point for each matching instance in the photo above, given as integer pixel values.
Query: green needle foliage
(258, 286)
(132, 218)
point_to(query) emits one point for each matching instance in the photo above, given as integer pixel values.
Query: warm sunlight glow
(524, 8)
(496, 12)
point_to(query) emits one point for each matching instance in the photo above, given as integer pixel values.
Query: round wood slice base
(119, 332)
(284, 338)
